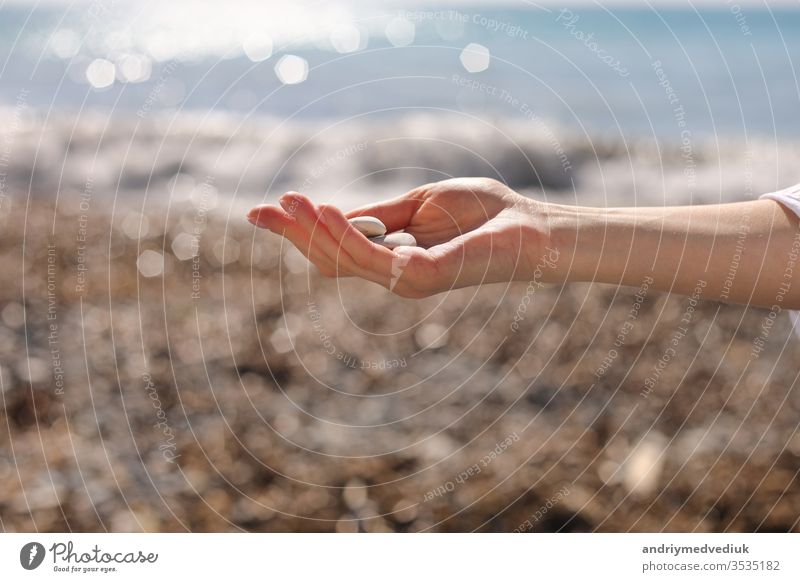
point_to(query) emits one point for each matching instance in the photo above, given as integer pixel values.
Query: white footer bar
(388, 557)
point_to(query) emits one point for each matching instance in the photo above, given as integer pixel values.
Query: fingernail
(255, 214)
(285, 202)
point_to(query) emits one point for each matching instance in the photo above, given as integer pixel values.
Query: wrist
(551, 244)
(572, 242)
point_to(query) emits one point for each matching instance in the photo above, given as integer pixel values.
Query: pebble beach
(170, 368)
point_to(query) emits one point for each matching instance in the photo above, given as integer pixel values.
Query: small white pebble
(150, 263)
(355, 494)
(33, 370)
(431, 336)
(368, 225)
(394, 240)
(185, 246)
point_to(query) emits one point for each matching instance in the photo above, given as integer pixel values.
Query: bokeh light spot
(292, 69)
(475, 57)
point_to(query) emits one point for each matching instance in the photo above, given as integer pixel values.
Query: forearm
(743, 252)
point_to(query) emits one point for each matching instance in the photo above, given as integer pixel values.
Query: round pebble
(395, 239)
(368, 225)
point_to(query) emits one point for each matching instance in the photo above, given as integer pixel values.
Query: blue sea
(667, 73)
(733, 69)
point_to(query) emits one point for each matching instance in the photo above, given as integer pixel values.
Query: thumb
(396, 213)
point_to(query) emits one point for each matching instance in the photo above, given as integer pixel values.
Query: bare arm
(476, 230)
(744, 252)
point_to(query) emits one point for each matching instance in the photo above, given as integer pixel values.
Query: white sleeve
(790, 198)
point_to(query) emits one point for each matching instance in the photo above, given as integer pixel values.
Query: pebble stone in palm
(375, 231)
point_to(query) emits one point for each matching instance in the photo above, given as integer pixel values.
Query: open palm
(470, 231)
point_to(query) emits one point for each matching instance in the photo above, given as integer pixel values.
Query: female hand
(469, 231)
